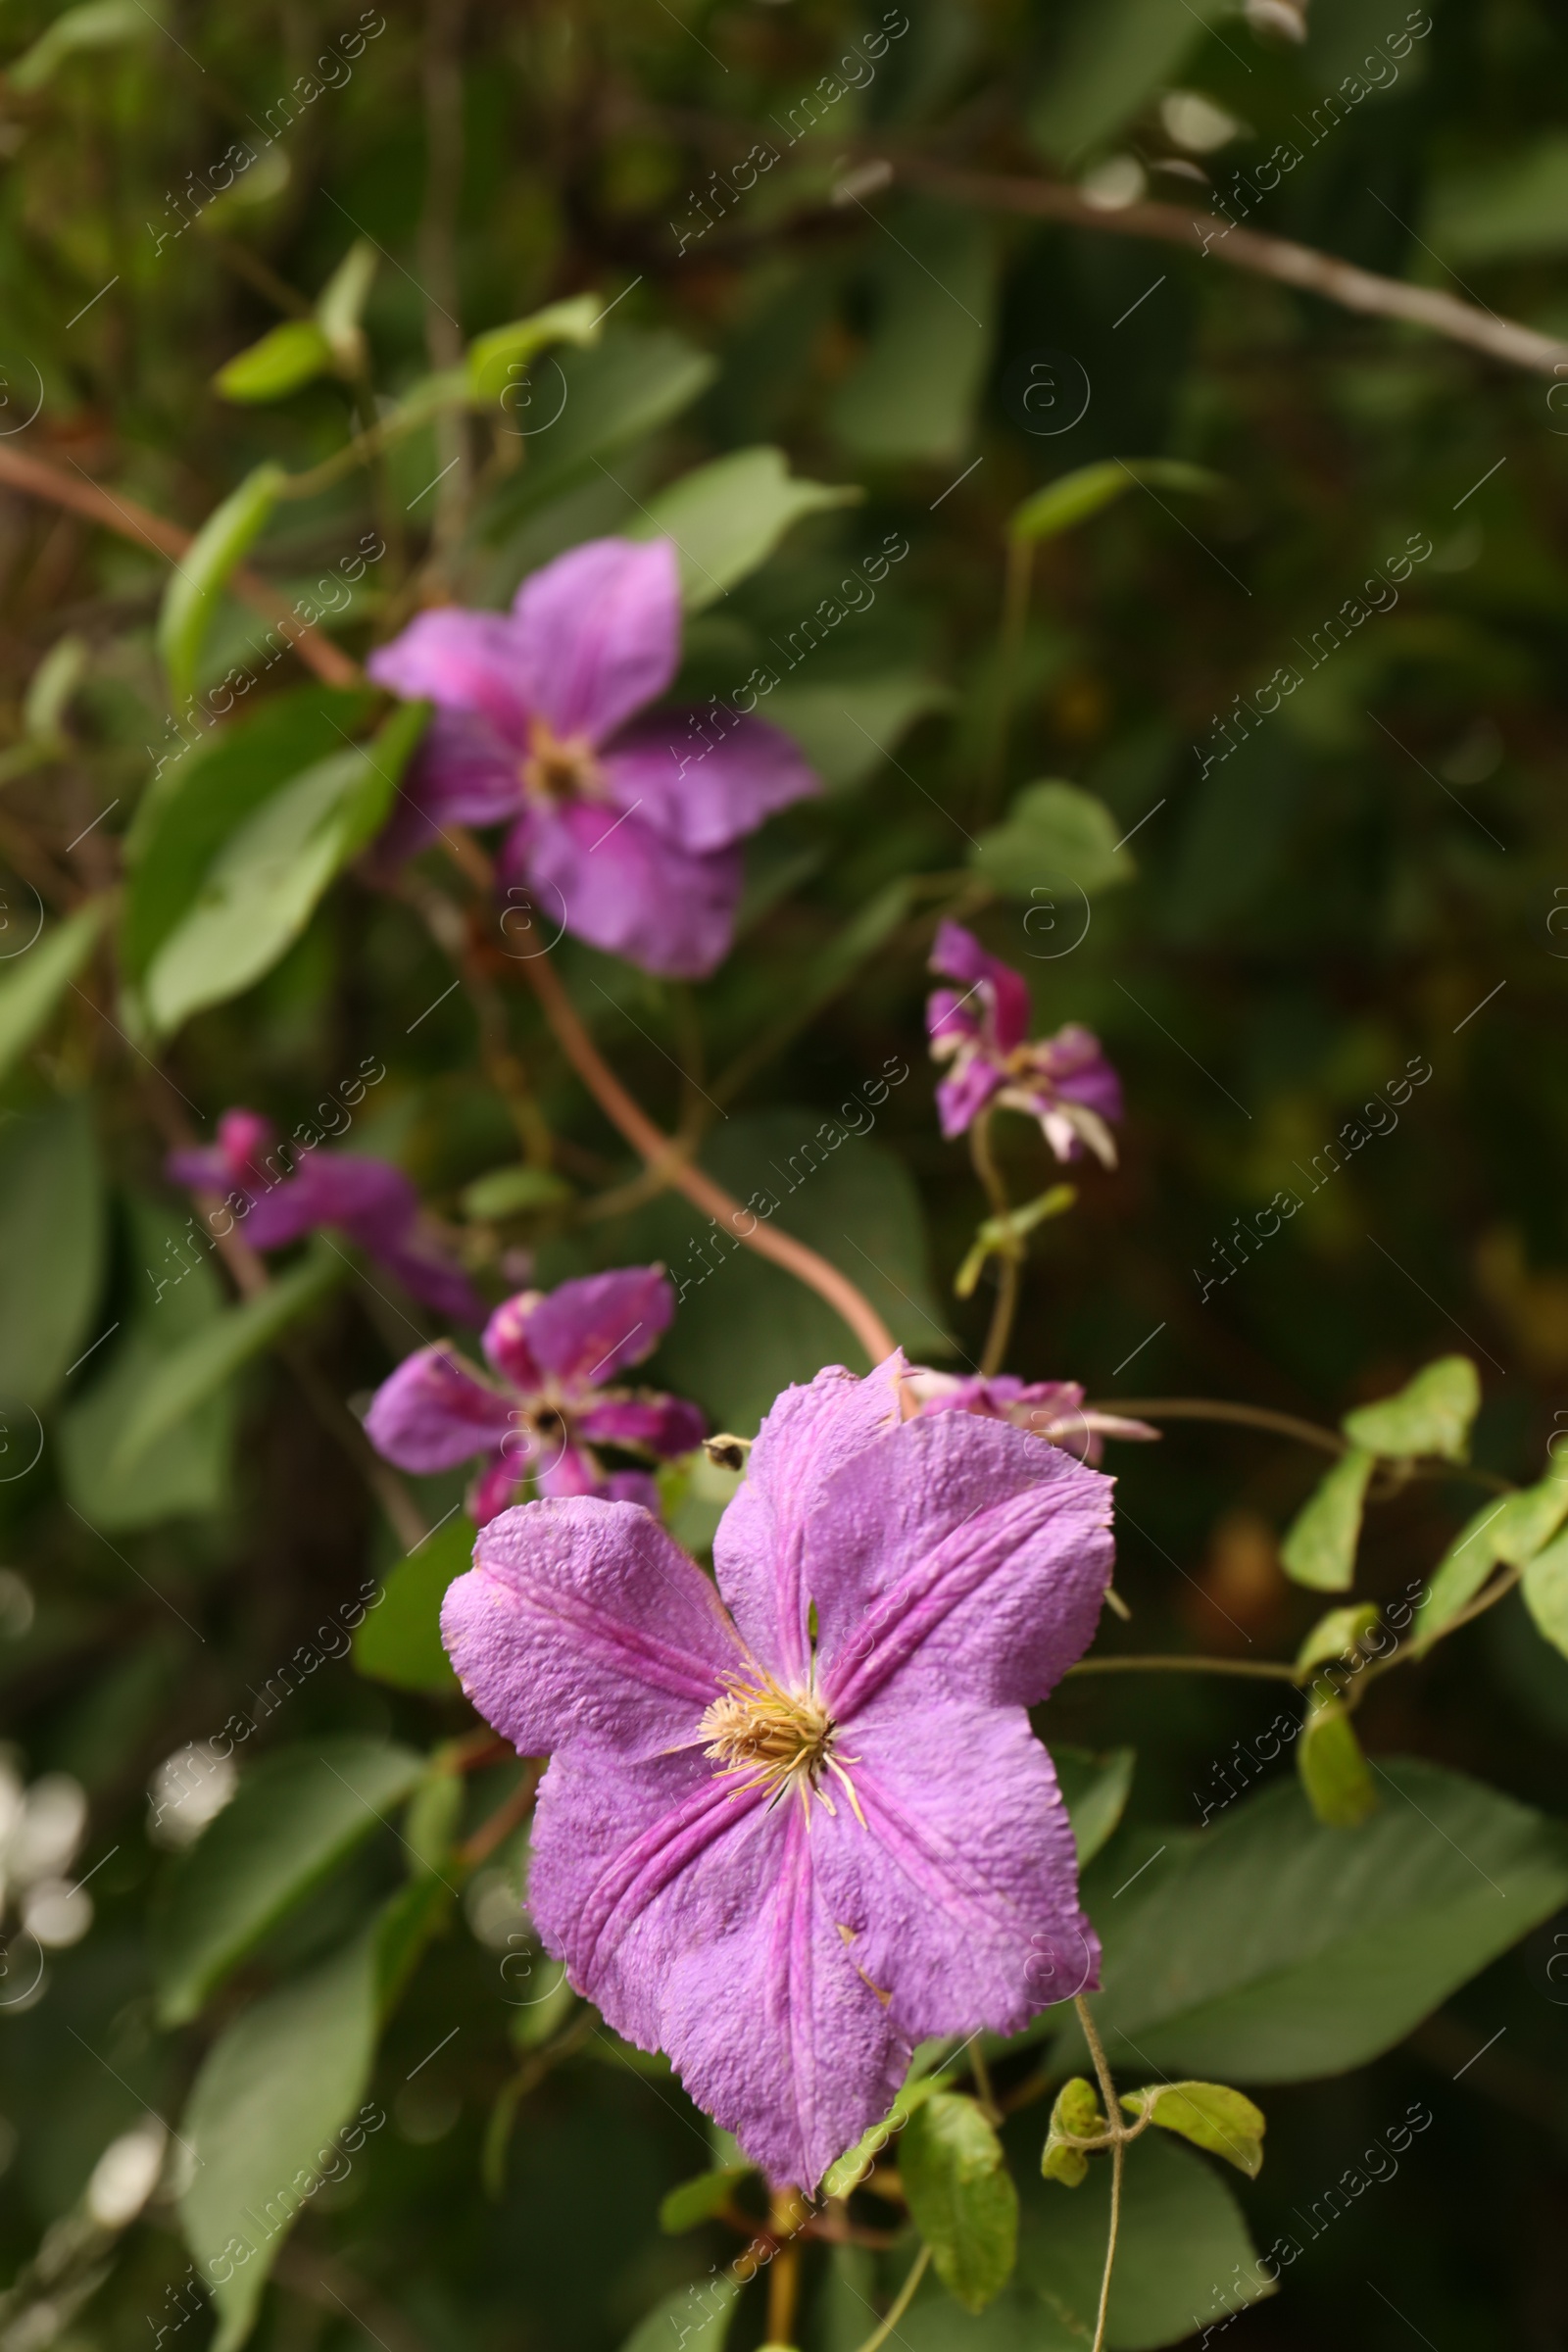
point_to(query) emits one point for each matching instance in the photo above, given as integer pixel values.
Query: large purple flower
(548, 1407)
(1063, 1081)
(1053, 1409)
(788, 1838)
(373, 1203)
(626, 829)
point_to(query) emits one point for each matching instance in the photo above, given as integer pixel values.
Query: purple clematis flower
(547, 1407)
(373, 1203)
(1053, 1409)
(787, 1837)
(1063, 1081)
(625, 831)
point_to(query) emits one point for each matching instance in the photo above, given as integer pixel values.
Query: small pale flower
(981, 1029)
(547, 1403)
(796, 1824)
(1053, 1409)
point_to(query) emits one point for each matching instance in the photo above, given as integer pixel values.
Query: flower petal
(807, 1434)
(421, 1265)
(435, 1412)
(370, 1198)
(957, 1558)
(461, 660)
(463, 774)
(505, 1344)
(599, 633)
(621, 888)
(962, 1888)
(495, 1489)
(964, 1093)
(666, 1425)
(698, 797)
(581, 1619)
(588, 1330)
(958, 956)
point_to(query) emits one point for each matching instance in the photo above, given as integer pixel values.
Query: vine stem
(899, 2305)
(1118, 2151)
(1010, 1275)
(1271, 1670)
(787, 2215)
(669, 1158)
(1215, 1408)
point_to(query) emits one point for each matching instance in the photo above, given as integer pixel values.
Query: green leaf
(1509, 204)
(961, 2197)
(1530, 1519)
(1054, 833)
(1182, 2249)
(850, 2169)
(51, 1247)
(1095, 1791)
(1319, 1544)
(341, 303)
(399, 1640)
(1335, 1635)
(193, 807)
(700, 2199)
(266, 880)
(1211, 2116)
(283, 2080)
(726, 518)
(288, 357)
(1334, 1771)
(96, 25)
(1460, 1573)
(198, 578)
(1431, 1414)
(932, 283)
(33, 985)
(847, 727)
(694, 2318)
(1115, 56)
(421, 1910)
(629, 386)
(175, 1297)
(189, 1374)
(296, 1817)
(513, 1192)
(1073, 497)
(1077, 2111)
(1274, 1948)
(499, 358)
(1545, 1593)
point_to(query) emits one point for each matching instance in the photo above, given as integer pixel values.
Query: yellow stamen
(781, 1739)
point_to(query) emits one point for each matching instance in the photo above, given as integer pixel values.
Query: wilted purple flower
(786, 1839)
(548, 1407)
(1053, 1409)
(373, 1203)
(1063, 1081)
(626, 829)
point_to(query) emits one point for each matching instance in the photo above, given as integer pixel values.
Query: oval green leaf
(200, 573)
(286, 358)
(962, 2196)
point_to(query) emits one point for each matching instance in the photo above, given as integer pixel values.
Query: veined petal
(666, 1425)
(370, 1198)
(758, 1552)
(700, 797)
(460, 661)
(617, 883)
(955, 1558)
(463, 773)
(586, 1331)
(958, 956)
(599, 633)
(435, 1412)
(582, 1619)
(418, 1261)
(505, 1344)
(964, 1093)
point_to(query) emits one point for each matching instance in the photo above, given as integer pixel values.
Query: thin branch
(660, 1151)
(1118, 2132)
(1279, 258)
(1010, 1274)
(1215, 1408)
(899, 2305)
(1269, 1670)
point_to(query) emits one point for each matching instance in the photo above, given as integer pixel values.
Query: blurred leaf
(1095, 1791)
(399, 1640)
(696, 2316)
(341, 304)
(1073, 497)
(961, 2197)
(51, 1245)
(1334, 1771)
(1053, 834)
(1530, 1519)
(500, 357)
(1076, 2111)
(288, 357)
(914, 395)
(37, 979)
(1460, 1573)
(1431, 1414)
(408, 1922)
(628, 386)
(283, 2079)
(198, 578)
(1512, 204)
(52, 685)
(700, 2199)
(1337, 1635)
(192, 807)
(1319, 1547)
(186, 1375)
(296, 1817)
(186, 1470)
(846, 728)
(268, 878)
(1545, 1593)
(510, 1191)
(96, 25)
(1210, 2115)
(1269, 1946)
(852, 2167)
(726, 517)
(1115, 56)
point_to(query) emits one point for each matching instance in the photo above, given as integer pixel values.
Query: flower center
(557, 767)
(778, 1738)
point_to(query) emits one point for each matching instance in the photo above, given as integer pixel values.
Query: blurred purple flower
(547, 1407)
(1053, 1409)
(1063, 1081)
(624, 831)
(788, 1838)
(373, 1203)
